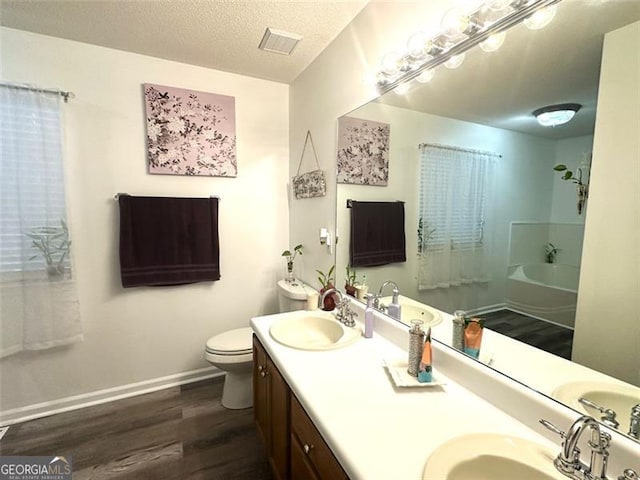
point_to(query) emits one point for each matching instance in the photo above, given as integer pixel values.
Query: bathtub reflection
(545, 291)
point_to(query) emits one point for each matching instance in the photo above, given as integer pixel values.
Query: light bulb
(416, 45)
(455, 61)
(454, 23)
(426, 76)
(493, 42)
(391, 63)
(497, 5)
(541, 18)
(402, 88)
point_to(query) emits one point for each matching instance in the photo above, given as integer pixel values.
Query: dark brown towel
(168, 241)
(377, 233)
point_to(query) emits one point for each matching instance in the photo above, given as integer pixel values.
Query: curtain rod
(458, 149)
(120, 194)
(65, 95)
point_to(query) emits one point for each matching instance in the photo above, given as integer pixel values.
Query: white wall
(521, 190)
(138, 334)
(609, 295)
(336, 82)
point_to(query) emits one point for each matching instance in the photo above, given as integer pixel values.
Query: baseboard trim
(75, 402)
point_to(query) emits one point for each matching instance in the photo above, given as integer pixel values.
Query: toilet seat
(231, 343)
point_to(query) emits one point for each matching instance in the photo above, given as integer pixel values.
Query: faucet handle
(608, 415)
(629, 474)
(552, 427)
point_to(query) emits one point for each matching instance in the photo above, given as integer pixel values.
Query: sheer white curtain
(38, 296)
(454, 190)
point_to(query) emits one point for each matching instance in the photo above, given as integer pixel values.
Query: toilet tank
(296, 296)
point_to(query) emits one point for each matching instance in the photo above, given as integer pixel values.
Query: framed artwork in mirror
(190, 132)
(363, 152)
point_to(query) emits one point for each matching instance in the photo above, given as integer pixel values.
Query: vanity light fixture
(460, 31)
(555, 115)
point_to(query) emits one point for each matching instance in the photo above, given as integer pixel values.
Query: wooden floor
(538, 333)
(177, 433)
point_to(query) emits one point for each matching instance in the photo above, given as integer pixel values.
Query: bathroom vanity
(340, 409)
(295, 447)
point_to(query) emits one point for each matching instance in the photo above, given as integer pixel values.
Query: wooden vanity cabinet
(295, 448)
(311, 457)
(271, 401)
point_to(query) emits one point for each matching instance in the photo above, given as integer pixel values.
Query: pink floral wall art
(189, 132)
(363, 152)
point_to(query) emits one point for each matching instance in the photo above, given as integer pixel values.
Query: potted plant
(350, 282)
(290, 258)
(326, 280)
(53, 245)
(582, 188)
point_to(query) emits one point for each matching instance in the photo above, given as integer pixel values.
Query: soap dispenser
(368, 316)
(393, 309)
(416, 344)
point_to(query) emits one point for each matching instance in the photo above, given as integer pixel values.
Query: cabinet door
(279, 399)
(307, 439)
(301, 469)
(260, 391)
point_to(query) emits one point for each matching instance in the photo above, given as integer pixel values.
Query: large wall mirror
(531, 213)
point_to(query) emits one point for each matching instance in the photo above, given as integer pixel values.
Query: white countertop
(376, 430)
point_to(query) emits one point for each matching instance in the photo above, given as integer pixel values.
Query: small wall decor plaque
(363, 152)
(309, 184)
(190, 132)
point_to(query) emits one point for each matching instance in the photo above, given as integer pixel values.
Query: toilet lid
(236, 341)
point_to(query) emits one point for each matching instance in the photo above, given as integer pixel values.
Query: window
(31, 182)
(38, 299)
(452, 216)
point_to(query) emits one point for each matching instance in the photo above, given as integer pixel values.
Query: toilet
(232, 351)
(296, 296)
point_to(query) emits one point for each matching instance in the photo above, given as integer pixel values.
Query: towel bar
(121, 194)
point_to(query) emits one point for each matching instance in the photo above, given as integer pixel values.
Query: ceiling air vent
(278, 41)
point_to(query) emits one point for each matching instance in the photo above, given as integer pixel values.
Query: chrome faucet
(634, 423)
(568, 460)
(376, 298)
(344, 314)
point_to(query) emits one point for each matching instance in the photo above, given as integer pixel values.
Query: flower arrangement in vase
(327, 282)
(290, 258)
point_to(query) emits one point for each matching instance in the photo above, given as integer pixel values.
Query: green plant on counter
(568, 174)
(326, 279)
(351, 276)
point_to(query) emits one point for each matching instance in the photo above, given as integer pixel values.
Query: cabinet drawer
(313, 446)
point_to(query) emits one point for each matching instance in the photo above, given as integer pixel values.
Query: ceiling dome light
(494, 42)
(541, 18)
(555, 115)
(455, 61)
(426, 76)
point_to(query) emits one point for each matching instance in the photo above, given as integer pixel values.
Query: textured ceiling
(219, 34)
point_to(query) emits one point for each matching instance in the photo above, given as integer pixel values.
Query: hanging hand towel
(309, 184)
(377, 233)
(168, 241)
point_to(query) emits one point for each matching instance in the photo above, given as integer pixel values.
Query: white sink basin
(487, 456)
(619, 398)
(430, 317)
(412, 310)
(313, 331)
